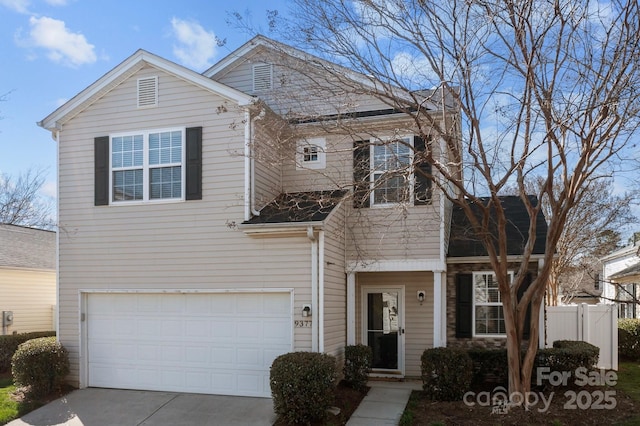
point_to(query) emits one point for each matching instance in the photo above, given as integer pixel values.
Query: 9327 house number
(302, 324)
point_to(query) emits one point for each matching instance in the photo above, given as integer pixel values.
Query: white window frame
(320, 163)
(372, 175)
(473, 311)
(146, 167)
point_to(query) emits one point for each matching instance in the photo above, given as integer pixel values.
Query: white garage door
(222, 343)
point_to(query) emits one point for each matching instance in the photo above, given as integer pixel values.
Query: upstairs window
(147, 166)
(391, 174)
(311, 154)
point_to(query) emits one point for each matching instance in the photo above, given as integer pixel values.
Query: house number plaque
(302, 324)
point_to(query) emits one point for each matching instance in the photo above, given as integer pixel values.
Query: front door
(384, 329)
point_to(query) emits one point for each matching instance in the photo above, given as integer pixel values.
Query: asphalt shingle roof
(313, 206)
(31, 248)
(464, 242)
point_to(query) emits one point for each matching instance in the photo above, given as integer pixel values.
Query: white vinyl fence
(596, 324)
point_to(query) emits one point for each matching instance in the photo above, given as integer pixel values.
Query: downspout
(314, 289)
(56, 323)
(254, 212)
(247, 164)
(320, 315)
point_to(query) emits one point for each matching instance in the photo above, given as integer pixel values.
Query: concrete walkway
(384, 404)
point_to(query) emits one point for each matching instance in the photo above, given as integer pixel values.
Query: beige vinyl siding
(268, 165)
(418, 319)
(335, 285)
(298, 88)
(166, 245)
(31, 295)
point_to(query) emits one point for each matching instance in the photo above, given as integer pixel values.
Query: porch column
(351, 308)
(439, 309)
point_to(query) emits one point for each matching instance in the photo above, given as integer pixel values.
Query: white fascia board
(124, 70)
(405, 265)
(485, 259)
(278, 228)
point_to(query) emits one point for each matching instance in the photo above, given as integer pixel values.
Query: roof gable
(126, 69)
(465, 243)
(27, 248)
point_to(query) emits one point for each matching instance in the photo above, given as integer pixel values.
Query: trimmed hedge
(629, 339)
(357, 364)
(41, 364)
(9, 344)
(446, 373)
(568, 355)
(303, 386)
(489, 366)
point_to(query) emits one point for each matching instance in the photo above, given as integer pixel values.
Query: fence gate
(595, 324)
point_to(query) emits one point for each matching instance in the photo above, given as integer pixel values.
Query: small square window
(311, 154)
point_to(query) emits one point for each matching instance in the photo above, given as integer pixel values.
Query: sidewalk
(384, 404)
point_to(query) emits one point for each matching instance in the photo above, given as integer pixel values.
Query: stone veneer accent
(484, 342)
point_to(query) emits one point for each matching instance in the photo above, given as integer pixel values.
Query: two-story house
(621, 280)
(211, 222)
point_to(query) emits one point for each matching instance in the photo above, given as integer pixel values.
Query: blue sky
(52, 49)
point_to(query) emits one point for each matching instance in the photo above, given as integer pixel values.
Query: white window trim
(146, 167)
(372, 173)
(320, 163)
(473, 310)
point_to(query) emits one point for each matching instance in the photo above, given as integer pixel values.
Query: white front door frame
(400, 370)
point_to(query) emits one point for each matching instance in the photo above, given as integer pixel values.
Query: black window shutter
(194, 164)
(527, 319)
(464, 305)
(361, 172)
(101, 171)
(422, 188)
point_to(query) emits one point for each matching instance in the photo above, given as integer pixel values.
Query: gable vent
(262, 77)
(147, 92)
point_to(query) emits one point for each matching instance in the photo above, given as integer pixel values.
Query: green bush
(303, 386)
(568, 355)
(489, 366)
(446, 373)
(10, 342)
(357, 364)
(629, 339)
(40, 364)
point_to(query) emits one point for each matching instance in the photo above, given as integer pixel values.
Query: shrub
(357, 364)
(446, 373)
(629, 339)
(41, 364)
(568, 355)
(303, 386)
(10, 342)
(489, 366)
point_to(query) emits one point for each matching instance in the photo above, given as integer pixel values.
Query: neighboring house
(27, 279)
(215, 221)
(621, 280)
(473, 300)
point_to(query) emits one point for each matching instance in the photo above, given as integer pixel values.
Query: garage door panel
(203, 343)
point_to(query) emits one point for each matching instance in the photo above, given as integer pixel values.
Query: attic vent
(147, 92)
(262, 77)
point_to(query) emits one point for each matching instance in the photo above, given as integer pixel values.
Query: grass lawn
(9, 409)
(629, 383)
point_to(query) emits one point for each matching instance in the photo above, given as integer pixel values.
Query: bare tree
(591, 231)
(21, 201)
(546, 89)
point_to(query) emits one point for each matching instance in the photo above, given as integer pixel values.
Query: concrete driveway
(104, 407)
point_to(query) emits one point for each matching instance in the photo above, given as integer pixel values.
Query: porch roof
(298, 207)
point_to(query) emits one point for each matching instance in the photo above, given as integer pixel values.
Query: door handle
(401, 331)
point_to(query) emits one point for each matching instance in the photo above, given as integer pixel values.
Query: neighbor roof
(298, 207)
(465, 243)
(27, 248)
(630, 273)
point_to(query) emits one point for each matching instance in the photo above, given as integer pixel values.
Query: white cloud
(57, 2)
(63, 46)
(49, 189)
(196, 46)
(21, 6)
